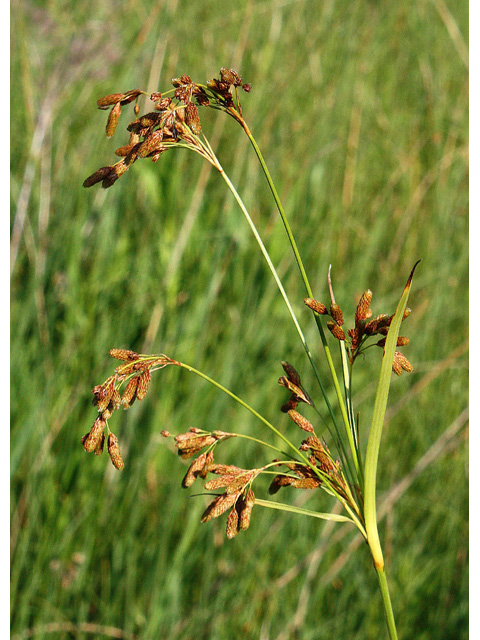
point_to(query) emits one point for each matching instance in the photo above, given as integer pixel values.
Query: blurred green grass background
(361, 110)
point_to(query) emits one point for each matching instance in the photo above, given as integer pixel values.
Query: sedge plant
(330, 457)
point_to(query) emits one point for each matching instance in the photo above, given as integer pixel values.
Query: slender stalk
(308, 289)
(387, 604)
(289, 307)
(298, 454)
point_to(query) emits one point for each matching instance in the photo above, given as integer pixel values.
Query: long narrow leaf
(374, 438)
(305, 512)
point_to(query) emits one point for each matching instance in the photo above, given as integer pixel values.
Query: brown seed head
(93, 439)
(150, 144)
(316, 306)
(219, 506)
(376, 324)
(143, 384)
(245, 509)
(336, 313)
(192, 118)
(114, 452)
(128, 397)
(97, 176)
(300, 421)
(335, 330)
(232, 524)
(363, 310)
(193, 471)
(103, 394)
(110, 100)
(401, 364)
(292, 373)
(113, 118)
(124, 354)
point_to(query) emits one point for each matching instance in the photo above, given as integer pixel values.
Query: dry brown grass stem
(74, 629)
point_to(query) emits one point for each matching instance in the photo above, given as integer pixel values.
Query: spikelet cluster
(293, 383)
(365, 327)
(173, 121)
(134, 374)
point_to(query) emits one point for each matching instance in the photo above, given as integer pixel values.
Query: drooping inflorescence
(135, 375)
(174, 122)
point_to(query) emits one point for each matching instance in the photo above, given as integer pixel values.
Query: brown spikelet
(192, 119)
(151, 144)
(113, 118)
(104, 395)
(232, 524)
(336, 331)
(226, 469)
(246, 510)
(128, 396)
(143, 384)
(316, 306)
(124, 354)
(363, 307)
(402, 341)
(110, 100)
(278, 482)
(98, 176)
(401, 364)
(193, 470)
(99, 448)
(92, 440)
(189, 447)
(292, 373)
(305, 483)
(116, 171)
(297, 391)
(165, 434)
(219, 506)
(219, 483)
(114, 452)
(299, 420)
(378, 323)
(116, 400)
(125, 150)
(336, 313)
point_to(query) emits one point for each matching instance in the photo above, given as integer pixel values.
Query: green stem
(264, 251)
(298, 454)
(308, 289)
(387, 604)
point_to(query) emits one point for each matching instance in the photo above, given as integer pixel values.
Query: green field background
(361, 110)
